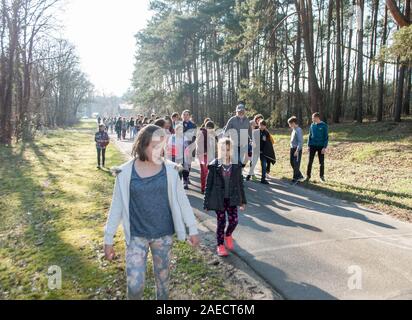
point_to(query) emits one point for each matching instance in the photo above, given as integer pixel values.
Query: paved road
(310, 246)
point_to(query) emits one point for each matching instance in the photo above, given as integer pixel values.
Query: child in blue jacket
(318, 144)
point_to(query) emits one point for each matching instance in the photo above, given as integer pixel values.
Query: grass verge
(370, 164)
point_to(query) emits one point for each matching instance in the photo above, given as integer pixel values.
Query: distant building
(126, 110)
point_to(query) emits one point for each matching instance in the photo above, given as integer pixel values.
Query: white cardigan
(182, 211)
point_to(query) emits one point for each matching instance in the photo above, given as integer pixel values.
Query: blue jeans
(295, 163)
(132, 132)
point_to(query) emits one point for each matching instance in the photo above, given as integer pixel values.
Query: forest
(41, 82)
(348, 60)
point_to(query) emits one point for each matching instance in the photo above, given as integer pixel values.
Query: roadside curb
(257, 287)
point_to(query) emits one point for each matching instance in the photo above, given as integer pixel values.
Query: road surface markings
(381, 238)
(319, 242)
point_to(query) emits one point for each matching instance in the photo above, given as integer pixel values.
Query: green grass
(369, 164)
(53, 207)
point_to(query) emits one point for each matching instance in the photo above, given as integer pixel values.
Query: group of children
(221, 177)
(150, 225)
(123, 126)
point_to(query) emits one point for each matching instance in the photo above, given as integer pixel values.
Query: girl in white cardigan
(150, 201)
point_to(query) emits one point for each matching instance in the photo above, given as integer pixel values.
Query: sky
(103, 32)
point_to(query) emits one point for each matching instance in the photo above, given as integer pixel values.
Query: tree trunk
(328, 82)
(297, 96)
(381, 88)
(360, 8)
(407, 98)
(219, 103)
(339, 67)
(401, 77)
(401, 19)
(304, 8)
(348, 65)
(195, 83)
(9, 75)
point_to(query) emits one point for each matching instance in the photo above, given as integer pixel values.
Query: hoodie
(319, 135)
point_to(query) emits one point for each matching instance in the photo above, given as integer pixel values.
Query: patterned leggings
(233, 218)
(136, 261)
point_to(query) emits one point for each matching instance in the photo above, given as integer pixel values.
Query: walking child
(102, 141)
(150, 201)
(174, 147)
(189, 137)
(125, 124)
(318, 144)
(132, 124)
(255, 146)
(267, 153)
(205, 150)
(296, 147)
(224, 194)
(118, 128)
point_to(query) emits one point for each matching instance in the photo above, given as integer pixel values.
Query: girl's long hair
(144, 138)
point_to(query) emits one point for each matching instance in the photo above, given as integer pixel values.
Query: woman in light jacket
(150, 201)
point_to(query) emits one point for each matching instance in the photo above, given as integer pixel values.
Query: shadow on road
(279, 279)
(265, 203)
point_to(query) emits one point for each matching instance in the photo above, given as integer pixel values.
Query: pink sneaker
(229, 243)
(221, 251)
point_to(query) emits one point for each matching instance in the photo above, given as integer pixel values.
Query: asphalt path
(310, 246)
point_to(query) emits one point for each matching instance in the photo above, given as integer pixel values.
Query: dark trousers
(186, 175)
(119, 134)
(295, 163)
(101, 156)
(264, 162)
(312, 154)
(268, 167)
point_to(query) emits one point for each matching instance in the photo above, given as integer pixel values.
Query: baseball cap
(240, 107)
